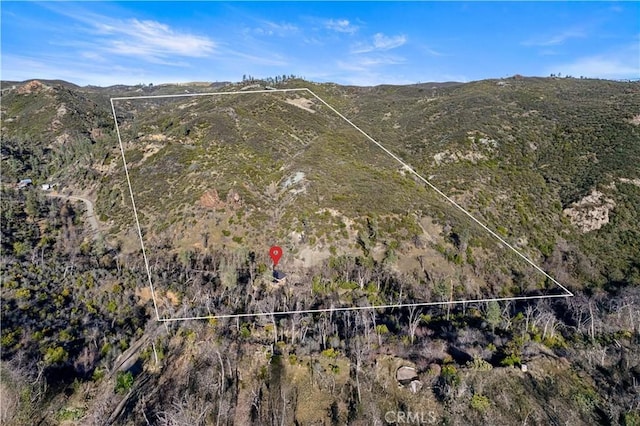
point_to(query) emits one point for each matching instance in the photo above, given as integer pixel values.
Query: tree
(32, 204)
(414, 320)
(228, 274)
(190, 410)
(493, 315)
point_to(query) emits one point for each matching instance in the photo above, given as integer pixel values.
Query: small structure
(408, 377)
(24, 183)
(279, 277)
(46, 187)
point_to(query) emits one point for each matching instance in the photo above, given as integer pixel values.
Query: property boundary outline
(331, 309)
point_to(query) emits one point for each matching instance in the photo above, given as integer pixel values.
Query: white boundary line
(135, 213)
(364, 308)
(310, 311)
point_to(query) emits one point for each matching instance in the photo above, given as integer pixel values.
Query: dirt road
(91, 215)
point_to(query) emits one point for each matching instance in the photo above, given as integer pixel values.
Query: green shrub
(70, 413)
(330, 353)
(98, 374)
(450, 375)
(317, 286)
(511, 360)
(390, 257)
(10, 339)
(124, 382)
(347, 285)
(586, 401)
(632, 418)
(105, 349)
(479, 364)
(470, 259)
(20, 248)
(480, 403)
(55, 355)
(382, 329)
(23, 293)
(245, 332)
(555, 342)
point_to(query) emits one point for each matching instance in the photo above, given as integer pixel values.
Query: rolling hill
(550, 165)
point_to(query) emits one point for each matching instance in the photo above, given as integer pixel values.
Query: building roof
(24, 183)
(279, 275)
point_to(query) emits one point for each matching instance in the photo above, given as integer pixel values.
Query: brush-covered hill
(549, 165)
(241, 172)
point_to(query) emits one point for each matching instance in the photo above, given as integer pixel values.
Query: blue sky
(347, 43)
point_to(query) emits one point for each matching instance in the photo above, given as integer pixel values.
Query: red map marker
(276, 253)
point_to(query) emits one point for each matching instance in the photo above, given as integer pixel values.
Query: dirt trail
(91, 215)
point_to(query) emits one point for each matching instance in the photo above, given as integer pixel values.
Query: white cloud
(282, 29)
(93, 56)
(341, 26)
(150, 40)
(78, 72)
(103, 49)
(555, 39)
(363, 63)
(433, 52)
(146, 40)
(371, 62)
(380, 42)
(273, 59)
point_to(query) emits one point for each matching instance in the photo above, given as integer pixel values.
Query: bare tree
(414, 322)
(360, 353)
(188, 411)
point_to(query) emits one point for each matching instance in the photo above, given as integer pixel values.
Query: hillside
(550, 165)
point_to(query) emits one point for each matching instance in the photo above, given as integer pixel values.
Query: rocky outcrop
(211, 200)
(591, 212)
(456, 156)
(34, 86)
(407, 376)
